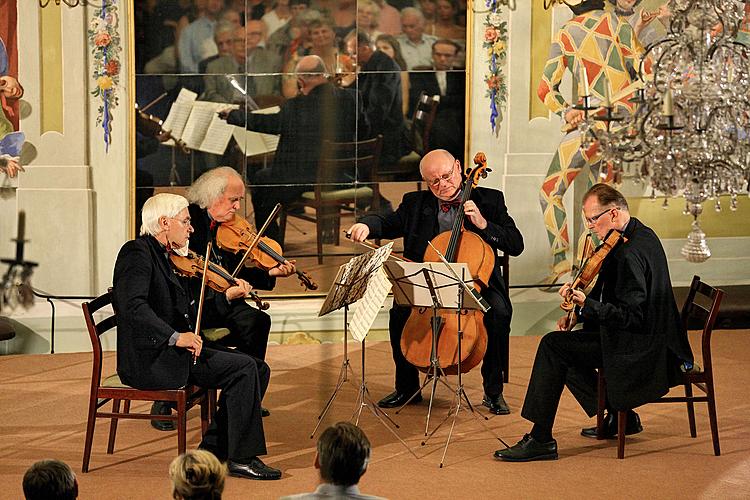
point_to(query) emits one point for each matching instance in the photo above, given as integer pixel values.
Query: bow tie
(446, 206)
(212, 225)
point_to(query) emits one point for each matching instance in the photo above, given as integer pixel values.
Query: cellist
(420, 217)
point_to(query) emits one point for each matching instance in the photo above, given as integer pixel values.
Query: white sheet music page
(217, 136)
(254, 143)
(197, 124)
(179, 113)
(366, 309)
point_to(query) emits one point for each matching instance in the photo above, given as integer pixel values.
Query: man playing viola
(157, 347)
(631, 330)
(421, 216)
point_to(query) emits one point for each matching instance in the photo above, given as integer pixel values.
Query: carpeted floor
(43, 407)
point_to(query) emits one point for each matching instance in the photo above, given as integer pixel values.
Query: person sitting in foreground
(197, 475)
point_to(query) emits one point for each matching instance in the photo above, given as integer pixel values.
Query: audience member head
(322, 35)
(412, 24)
(388, 45)
(359, 45)
(214, 8)
(446, 11)
(428, 8)
(442, 173)
(298, 6)
(444, 53)
(343, 454)
(605, 208)
(311, 72)
(247, 38)
(157, 217)
(224, 37)
(50, 480)
(368, 15)
(230, 16)
(197, 475)
(220, 191)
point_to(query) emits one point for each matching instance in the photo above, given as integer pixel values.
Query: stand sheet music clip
(354, 284)
(440, 286)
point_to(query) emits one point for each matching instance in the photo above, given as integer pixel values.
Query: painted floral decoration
(104, 41)
(495, 43)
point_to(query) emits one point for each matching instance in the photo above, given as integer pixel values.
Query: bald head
(311, 72)
(436, 157)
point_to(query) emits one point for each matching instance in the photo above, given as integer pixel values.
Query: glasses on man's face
(185, 222)
(592, 220)
(445, 177)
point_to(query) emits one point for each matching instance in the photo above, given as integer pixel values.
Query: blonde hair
(211, 185)
(160, 205)
(197, 475)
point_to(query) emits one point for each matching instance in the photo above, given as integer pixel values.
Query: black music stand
(350, 286)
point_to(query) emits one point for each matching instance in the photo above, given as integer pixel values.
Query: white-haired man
(158, 349)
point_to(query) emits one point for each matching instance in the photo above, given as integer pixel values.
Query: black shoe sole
(551, 456)
(164, 426)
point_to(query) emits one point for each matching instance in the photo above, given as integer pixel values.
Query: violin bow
(373, 247)
(144, 108)
(204, 278)
(255, 241)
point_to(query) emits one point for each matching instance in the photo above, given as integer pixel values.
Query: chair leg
(690, 408)
(622, 418)
(181, 424)
(319, 235)
(204, 413)
(113, 427)
(601, 404)
(90, 424)
(712, 415)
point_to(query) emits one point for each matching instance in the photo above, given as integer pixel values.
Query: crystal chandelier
(689, 131)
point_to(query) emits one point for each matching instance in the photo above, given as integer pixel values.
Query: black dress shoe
(162, 408)
(397, 399)
(632, 426)
(264, 412)
(496, 404)
(256, 469)
(527, 450)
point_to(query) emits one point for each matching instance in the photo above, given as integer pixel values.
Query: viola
(217, 278)
(591, 266)
(151, 126)
(237, 236)
(458, 245)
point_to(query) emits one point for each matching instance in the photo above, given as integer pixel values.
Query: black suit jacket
(151, 304)
(633, 306)
(303, 123)
(380, 86)
(416, 221)
(424, 79)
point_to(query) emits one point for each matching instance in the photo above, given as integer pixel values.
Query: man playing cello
(423, 215)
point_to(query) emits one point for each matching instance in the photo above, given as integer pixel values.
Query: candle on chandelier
(668, 105)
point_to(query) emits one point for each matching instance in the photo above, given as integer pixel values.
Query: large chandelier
(689, 133)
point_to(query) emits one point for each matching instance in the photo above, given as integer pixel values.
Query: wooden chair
(330, 197)
(701, 304)
(111, 388)
(407, 167)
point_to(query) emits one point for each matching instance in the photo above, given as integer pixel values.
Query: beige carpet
(43, 406)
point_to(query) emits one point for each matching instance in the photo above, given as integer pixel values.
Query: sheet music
(254, 143)
(366, 309)
(179, 113)
(217, 136)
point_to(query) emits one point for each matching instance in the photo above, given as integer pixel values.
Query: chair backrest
(97, 329)
(701, 308)
(421, 125)
(353, 160)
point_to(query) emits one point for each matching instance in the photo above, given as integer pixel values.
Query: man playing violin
(158, 349)
(631, 330)
(421, 216)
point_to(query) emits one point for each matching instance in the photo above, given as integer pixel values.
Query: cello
(458, 245)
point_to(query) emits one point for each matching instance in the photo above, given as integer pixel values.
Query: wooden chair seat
(701, 304)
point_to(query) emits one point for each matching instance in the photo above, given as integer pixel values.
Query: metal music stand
(349, 287)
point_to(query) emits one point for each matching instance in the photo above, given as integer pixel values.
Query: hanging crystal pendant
(696, 248)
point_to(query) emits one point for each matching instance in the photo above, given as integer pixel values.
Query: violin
(217, 278)
(458, 245)
(237, 235)
(151, 126)
(590, 268)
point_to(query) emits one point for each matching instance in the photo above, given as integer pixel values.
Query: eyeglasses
(184, 222)
(592, 220)
(445, 177)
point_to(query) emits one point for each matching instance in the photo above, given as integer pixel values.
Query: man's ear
(316, 463)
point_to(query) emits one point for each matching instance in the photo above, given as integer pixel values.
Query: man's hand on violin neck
(240, 290)
(191, 342)
(283, 270)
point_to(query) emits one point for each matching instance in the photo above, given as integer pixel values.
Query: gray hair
(160, 205)
(211, 185)
(411, 11)
(223, 27)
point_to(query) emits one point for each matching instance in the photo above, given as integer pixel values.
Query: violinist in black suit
(158, 349)
(421, 216)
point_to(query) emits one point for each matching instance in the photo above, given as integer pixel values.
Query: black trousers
(497, 323)
(266, 193)
(563, 359)
(236, 432)
(248, 328)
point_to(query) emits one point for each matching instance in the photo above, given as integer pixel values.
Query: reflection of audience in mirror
(343, 14)
(293, 40)
(429, 10)
(368, 18)
(278, 16)
(388, 45)
(321, 112)
(389, 21)
(416, 46)
(196, 41)
(446, 22)
(156, 26)
(322, 44)
(441, 78)
(248, 57)
(251, 9)
(379, 82)
(224, 40)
